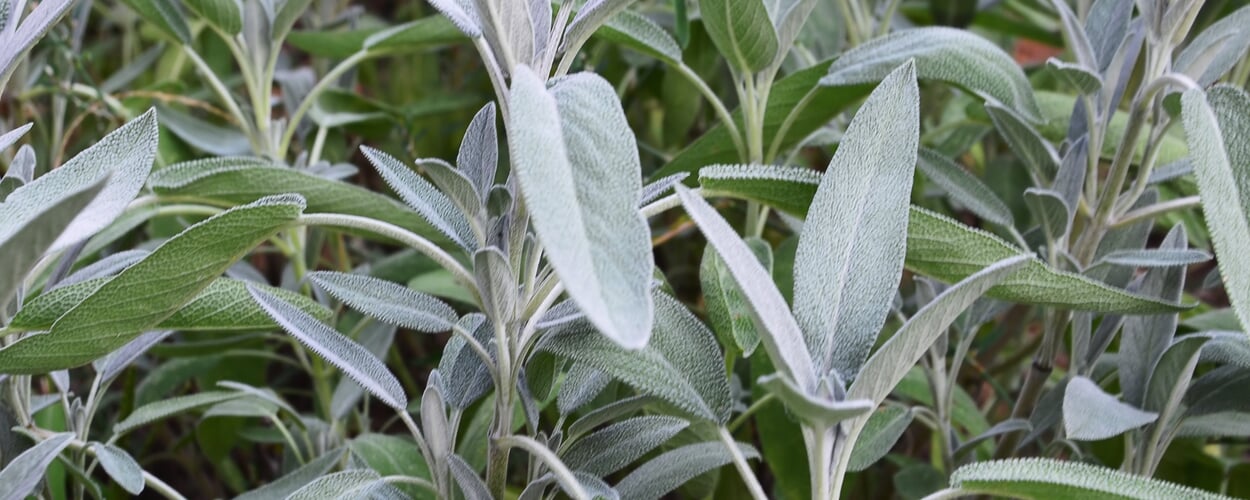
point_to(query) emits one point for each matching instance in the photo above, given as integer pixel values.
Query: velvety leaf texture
(387, 302)
(620, 444)
(1090, 414)
(666, 472)
(581, 183)
(1064, 480)
(24, 473)
(742, 31)
(433, 205)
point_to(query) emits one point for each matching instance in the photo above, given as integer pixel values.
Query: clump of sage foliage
(620, 249)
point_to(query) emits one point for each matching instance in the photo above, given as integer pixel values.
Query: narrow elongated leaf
(222, 14)
(851, 251)
(620, 444)
(581, 183)
(120, 466)
(219, 140)
(355, 361)
(891, 362)
(296, 479)
(151, 291)
(25, 471)
(1089, 414)
(607, 413)
(164, 15)
(346, 485)
(223, 305)
(581, 384)
(1157, 257)
(387, 302)
(879, 435)
(666, 472)
(940, 247)
(1147, 337)
(1036, 153)
(478, 157)
(1216, 48)
(589, 18)
(1218, 130)
(964, 187)
(945, 54)
(742, 31)
(682, 364)
(232, 181)
(423, 197)
(166, 408)
(107, 266)
(1065, 480)
(20, 39)
(640, 33)
(126, 153)
(727, 310)
(497, 283)
(780, 333)
(421, 34)
(1076, 76)
(1172, 373)
(10, 138)
(470, 483)
(24, 246)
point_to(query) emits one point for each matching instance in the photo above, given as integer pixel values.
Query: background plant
(537, 318)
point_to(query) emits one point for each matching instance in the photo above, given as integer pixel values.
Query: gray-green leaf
(25, 472)
(387, 302)
(1064, 480)
(742, 31)
(120, 466)
(1089, 414)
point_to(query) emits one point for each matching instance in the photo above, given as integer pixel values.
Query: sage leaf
(387, 302)
(151, 291)
(727, 311)
(613, 447)
(742, 32)
(589, 18)
(164, 15)
(120, 466)
(586, 217)
(433, 205)
(853, 243)
(637, 32)
(1217, 127)
(221, 14)
(25, 471)
(165, 408)
(479, 152)
(393, 456)
(1155, 257)
(581, 384)
(1216, 48)
(1028, 144)
(18, 39)
(462, 13)
(945, 54)
(497, 283)
(675, 467)
(607, 413)
(1067, 480)
(813, 410)
(1146, 338)
(1076, 76)
(964, 187)
(355, 361)
(882, 430)
(345, 485)
(471, 485)
(296, 479)
(1089, 414)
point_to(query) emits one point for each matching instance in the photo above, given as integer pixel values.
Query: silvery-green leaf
(210, 138)
(1076, 76)
(457, 187)
(655, 189)
(25, 471)
(470, 483)
(1106, 25)
(945, 54)
(1216, 48)
(390, 455)
(540, 21)
(509, 32)
(939, 246)
(727, 311)
(889, 364)
(1155, 257)
(815, 411)
(607, 413)
(242, 408)
(387, 302)
(1216, 425)
(166, 408)
(1074, 36)
(24, 246)
(479, 151)
(463, 375)
(675, 467)
(742, 32)
(261, 394)
(107, 266)
(112, 365)
(581, 384)
(282, 487)
(1227, 348)
(1064, 480)
(462, 13)
(19, 38)
(1218, 130)
(581, 183)
(155, 289)
(346, 485)
(120, 466)
(285, 16)
(1029, 145)
(1147, 337)
(779, 332)
(222, 306)
(964, 187)
(377, 338)
(612, 448)
(1050, 211)
(852, 247)
(1219, 390)
(225, 15)
(497, 283)
(1089, 414)
(589, 18)
(1005, 427)
(682, 364)
(637, 32)
(423, 197)
(126, 152)
(337, 349)
(1165, 391)
(10, 138)
(434, 425)
(879, 435)
(788, 18)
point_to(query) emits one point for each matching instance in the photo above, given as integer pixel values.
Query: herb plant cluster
(625, 249)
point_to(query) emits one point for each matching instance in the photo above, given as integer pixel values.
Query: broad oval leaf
(742, 31)
(337, 349)
(26, 471)
(945, 54)
(815, 412)
(120, 466)
(853, 243)
(1089, 414)
(1064, 480)
(581, 183)
(387, 302)
(151, 291)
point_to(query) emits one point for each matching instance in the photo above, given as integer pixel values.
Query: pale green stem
(496, 76)
(562, 473)
(717, 105)
(160, 487)
(671, 201)
(1156, 209)
(753, 409)
(338, 70)
(222, 93)
(286, 434)
(318, 143)
(740, 462)
(793, 115)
